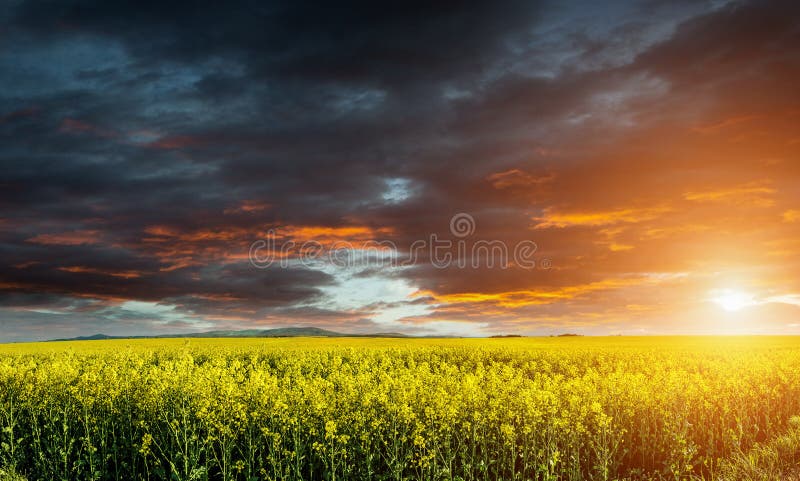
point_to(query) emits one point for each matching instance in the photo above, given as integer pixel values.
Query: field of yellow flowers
(392, 409)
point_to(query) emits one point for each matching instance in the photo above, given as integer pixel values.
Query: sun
(732, 300)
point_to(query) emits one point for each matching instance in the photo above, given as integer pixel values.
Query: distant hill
(95, 337)
(279, 332)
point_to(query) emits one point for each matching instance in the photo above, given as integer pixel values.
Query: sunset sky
(650, 150)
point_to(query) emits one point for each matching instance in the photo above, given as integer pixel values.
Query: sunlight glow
(732, 300)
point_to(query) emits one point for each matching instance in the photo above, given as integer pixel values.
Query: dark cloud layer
(144, 146)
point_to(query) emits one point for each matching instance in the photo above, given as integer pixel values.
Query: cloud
(755, 194)
(791, 215)
(599, 218)
(516, 178)
(77, 237)
(144, 147)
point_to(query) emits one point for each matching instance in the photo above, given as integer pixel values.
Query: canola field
(392, 409)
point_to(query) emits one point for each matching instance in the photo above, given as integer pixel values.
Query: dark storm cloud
(118, 118)
(390, 44)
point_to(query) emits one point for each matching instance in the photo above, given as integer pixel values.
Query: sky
(597, 168)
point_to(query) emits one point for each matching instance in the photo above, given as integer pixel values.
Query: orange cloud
(670, 231)
(598, 218)
(792, 215)
(723, 124)
(324, 233)
(73, 238)
(25, 265)
(755, 194)
(617, 247)
(178, 249)
(517, 178)
(610, 241)
(248, 207)
(521, 298)
(91, 270)
(163, 233)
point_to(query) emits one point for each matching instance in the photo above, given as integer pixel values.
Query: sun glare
(732, 300)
